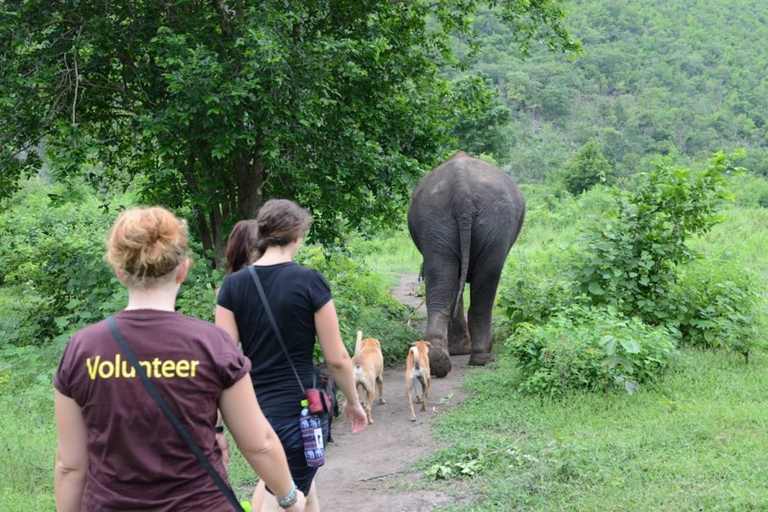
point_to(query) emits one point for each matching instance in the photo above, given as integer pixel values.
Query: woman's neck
(277, 254)
(162, 297)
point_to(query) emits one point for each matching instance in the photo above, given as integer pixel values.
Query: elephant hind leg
(479, 359)
(459, 342)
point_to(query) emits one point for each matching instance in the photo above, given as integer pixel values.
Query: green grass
(27, 449)
(389, 255)
(695, 442)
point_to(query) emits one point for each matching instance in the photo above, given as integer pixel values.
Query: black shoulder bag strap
(263, 296)
(183, 433)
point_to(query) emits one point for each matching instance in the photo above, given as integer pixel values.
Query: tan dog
(417, 370)
(369, 371)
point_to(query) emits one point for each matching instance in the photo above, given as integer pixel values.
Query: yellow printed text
(155, 369)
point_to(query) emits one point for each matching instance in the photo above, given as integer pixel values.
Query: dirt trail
(365, 472)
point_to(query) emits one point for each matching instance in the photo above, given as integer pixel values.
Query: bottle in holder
(312, 433)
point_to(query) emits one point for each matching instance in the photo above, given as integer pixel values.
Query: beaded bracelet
(289, 500)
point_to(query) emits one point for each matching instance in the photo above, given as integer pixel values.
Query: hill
(677, 77)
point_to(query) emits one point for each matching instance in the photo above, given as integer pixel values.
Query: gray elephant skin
(464, 217)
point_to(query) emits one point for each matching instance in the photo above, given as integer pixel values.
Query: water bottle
(312, 433)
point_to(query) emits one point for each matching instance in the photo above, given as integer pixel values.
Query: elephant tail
(358, 345)
(465, 238)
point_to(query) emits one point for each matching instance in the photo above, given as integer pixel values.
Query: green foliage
(480, 125)
(630, 259)
(53, 249)
(362, 302)
(717, 305)
(197, 296)
(609, 452)
(586, 168)
(214, 108)
(585, 348)
(646, 84)
(533, 298)
(750, 191)
(458, 462)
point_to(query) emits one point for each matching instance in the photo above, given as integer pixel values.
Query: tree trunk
(248, 198)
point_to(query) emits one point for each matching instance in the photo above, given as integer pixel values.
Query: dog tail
(415, 354)
(358, 345)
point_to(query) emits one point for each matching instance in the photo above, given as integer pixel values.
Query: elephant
(464, 216)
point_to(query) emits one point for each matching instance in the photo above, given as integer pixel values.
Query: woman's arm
(256, 439)
(226, 320)
(338, 361)
(71, 454)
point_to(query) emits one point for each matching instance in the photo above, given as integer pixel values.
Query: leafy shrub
(716, 305)
(586, 168)
(53, 246)
(586, 348)
(197, 296)
(362, 302)
(19, 323)
(630, 260)
(529, 298)
(751, 191)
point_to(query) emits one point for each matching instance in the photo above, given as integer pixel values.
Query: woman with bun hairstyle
(302, 305)
(116, 450)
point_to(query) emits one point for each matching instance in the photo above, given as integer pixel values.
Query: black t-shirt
(136, 459)
(294, 294)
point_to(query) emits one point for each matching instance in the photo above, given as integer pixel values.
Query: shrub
(586, 348)
(716, 305)
(53, 246)
(529, 298)
(586, 168)
(362, 302)
(630, 260)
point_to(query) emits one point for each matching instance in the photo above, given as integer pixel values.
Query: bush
(362, 302)
(53, 247)
(630, 260)
(585, 348)
(586, 168)
(532, 298)
(716, 305)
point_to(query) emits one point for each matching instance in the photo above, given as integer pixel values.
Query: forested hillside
(657, 77)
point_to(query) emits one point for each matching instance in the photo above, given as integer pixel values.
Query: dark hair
(280, 222)
(241, 245)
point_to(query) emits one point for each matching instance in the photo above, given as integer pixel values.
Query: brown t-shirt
(136, 460)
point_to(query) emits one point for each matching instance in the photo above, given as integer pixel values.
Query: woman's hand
(301, 502)
(355, 412)
(221, 438)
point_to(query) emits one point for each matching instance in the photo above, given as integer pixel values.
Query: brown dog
(369, 371)
(417, 370)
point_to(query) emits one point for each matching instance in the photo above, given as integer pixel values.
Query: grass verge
(697, 441)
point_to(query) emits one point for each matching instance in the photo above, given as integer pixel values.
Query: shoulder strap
(263, 296)
(183, 433)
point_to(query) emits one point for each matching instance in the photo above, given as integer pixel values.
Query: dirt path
(365, 472)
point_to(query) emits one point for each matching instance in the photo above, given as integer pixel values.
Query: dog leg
(422, 381)
(380, 385)
(409, 385)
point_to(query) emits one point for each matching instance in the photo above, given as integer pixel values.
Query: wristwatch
(289, 500)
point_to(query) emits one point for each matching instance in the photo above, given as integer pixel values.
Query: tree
(586, 168)
(479, 129)
(217, 106)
